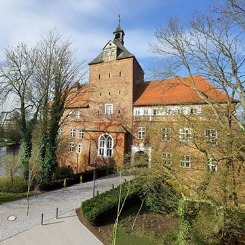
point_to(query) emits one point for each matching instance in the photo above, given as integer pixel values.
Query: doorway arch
(141, 156)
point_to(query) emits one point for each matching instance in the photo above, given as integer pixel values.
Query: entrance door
(141, 159)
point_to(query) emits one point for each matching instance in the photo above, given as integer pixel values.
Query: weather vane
(119, 17)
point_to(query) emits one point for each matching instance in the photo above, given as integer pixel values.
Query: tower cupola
(119, 33)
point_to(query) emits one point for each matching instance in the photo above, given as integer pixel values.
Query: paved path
(66, 200)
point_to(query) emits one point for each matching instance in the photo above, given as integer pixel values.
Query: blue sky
(89, 23)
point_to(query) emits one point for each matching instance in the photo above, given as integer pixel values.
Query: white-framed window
(136, 112)
(69, 114)
(169, 111)
(105, 146)
(80, 133)
(146, 112)
(185, 134)
(141, 132)
(71, 147)
(108, 109)
(196, 110)
(155, 112)
(166, 134)
(185, 161)
(212, 165)
(79, 148)
(167, 158)
(113, 52)
(78, 115)
(73, 132)
(211, 135)
(60, 131)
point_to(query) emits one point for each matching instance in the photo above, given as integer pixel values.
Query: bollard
(112, 186)
(98, 193)
(42, 219)
(57, 213)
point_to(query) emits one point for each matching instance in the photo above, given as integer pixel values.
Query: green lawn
(9, 197)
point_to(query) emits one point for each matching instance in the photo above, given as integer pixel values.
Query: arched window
(105, 145)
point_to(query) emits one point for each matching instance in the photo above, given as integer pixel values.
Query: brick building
(118, 116)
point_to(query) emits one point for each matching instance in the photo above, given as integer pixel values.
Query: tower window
(105, 146)
(80, 133)
(71, 147)
(109, 75)
(120, 73)
(72, 132)
(99, 76)
(119, 92)
(141, 132)
(79, 148)
(108, 109)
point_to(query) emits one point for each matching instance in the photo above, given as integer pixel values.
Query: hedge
(47, 185)
(97, 209)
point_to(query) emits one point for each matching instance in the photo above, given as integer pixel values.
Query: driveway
(66, 200)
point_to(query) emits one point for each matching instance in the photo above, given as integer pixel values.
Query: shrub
(19, 185)
(66, 175)
(51, 185)
(100, 207)
(63, 172)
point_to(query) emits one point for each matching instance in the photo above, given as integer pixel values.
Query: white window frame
(166, 134)
(73, 132)
(79, 148)
(70, 115)
(78, 115)
(212, 136)
(196, 110)
(167, 158)
(185, 161)
(185, 134)
(156, 111)
(80, 133)
(141, 132)
(212, 165)
(60, 131)
(108, 109)
(105, 145)
(71, 147)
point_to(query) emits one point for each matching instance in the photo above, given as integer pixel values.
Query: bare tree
(17, 76)
(57, 71)
(208, 46)
(232, 10)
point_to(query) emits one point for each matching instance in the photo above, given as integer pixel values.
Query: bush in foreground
(100, 207)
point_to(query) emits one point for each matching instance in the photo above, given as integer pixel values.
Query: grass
(9, 197)
(147, 229)
(5, 143)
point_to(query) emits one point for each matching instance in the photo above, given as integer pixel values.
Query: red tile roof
(78, 97)
(178, 91)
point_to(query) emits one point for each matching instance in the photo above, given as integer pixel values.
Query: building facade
(117, 118)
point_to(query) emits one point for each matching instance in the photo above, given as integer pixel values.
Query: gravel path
(66, 200)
